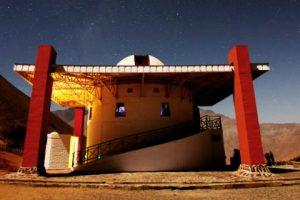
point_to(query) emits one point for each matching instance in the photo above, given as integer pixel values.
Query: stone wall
(58, 148)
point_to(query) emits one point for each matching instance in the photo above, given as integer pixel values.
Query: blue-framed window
(120, 110)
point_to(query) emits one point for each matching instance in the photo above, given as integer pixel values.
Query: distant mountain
(14, 106)
(282, 139)
(68, 116)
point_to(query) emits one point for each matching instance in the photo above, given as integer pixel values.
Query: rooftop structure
(74, 85)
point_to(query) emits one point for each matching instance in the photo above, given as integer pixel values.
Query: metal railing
(144, 139)
(210, 123)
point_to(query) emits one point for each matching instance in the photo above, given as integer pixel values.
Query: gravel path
(154, 177)
(27, 193)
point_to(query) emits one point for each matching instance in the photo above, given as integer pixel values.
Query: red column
(245, 107)
(39, 108)
(79, 124)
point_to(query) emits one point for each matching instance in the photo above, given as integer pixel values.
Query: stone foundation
(27, 170)
(57, 155)
(254, 171)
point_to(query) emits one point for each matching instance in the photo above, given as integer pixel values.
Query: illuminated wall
(143, 111)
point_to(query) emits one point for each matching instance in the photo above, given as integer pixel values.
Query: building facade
(142, 114)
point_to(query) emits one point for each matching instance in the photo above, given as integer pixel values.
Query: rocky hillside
(282, 139)
(14, 106)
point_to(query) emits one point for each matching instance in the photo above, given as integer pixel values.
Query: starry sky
(176, 31)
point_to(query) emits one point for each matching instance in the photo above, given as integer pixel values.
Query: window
(120, 110)
(165, 110)
(141, 60)
(156, 90)
(129, 90)
(90, 114)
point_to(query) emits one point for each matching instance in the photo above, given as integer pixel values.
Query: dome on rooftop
(140, 60)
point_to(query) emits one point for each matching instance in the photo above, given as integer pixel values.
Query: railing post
(87, 154)
(79, 157)
(82, 156)
(99, 152)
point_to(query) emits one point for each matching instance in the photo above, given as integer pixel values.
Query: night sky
(177, 32)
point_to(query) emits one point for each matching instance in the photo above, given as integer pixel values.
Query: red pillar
(245, 107)
(39, 108)
(78, 125)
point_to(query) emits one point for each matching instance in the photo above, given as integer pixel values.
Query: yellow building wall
(142, 111)
(73, 148)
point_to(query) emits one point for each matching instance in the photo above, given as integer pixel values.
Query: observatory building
(142, 115)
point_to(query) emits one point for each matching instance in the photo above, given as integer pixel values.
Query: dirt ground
(26, 192)
(204, 177)
(23, 192)
(10, 161)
